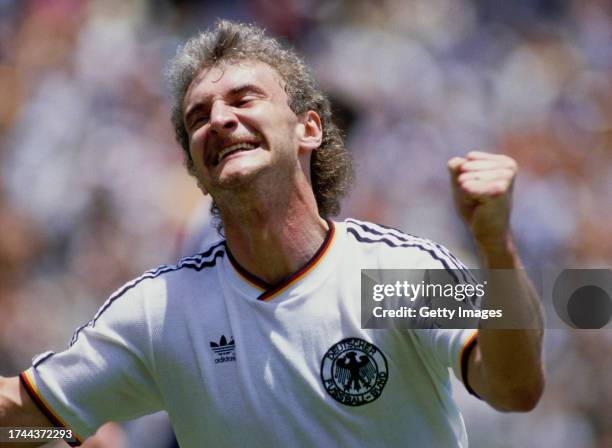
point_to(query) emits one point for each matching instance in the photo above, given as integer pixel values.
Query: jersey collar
(269, 291)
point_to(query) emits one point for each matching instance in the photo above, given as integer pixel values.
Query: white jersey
(237, 362)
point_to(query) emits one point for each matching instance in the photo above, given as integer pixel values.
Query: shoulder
(204, 261)
(397, 249)
(147, 294)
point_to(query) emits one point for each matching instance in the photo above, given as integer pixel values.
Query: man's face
(240, 125)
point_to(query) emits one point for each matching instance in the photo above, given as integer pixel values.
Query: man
(257, 341)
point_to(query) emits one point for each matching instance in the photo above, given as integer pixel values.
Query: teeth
(238, 146)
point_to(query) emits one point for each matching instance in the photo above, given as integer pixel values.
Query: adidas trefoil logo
(224, 351)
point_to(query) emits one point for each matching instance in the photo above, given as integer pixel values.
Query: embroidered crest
(354, 372)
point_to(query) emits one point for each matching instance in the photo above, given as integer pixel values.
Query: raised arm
(18, 410)
(505, 369)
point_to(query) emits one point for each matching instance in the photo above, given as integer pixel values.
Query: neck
(273, 239)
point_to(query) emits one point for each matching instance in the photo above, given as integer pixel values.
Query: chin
(237, 178)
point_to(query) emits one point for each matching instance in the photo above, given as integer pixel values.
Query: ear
(310, 131)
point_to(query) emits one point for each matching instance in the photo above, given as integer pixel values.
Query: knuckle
(500, 186)
(466, 186)
(511, 163)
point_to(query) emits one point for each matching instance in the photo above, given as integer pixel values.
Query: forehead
(221, 79)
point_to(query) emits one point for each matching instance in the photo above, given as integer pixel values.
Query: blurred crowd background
(93, 191)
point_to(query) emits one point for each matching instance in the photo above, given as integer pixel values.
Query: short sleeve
(450, 348)
(107, 374)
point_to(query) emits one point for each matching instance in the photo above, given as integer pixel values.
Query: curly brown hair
(331, 164)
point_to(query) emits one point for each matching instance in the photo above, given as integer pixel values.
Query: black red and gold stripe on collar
(270, 291)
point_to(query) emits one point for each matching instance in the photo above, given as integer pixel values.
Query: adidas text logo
(223, 350)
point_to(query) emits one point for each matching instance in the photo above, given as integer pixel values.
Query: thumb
(454, 166)
(455, 163)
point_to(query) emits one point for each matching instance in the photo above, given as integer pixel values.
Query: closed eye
(244, 101)
(198, 122)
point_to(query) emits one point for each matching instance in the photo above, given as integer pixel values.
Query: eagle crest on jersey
(354, 372)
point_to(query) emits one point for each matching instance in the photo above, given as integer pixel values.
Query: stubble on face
(258, 116)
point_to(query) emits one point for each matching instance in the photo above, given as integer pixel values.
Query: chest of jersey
(239, 367)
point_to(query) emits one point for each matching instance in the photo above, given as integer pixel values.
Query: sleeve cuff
(469, 345)
(45, 408)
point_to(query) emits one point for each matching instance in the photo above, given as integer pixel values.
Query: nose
(222, 119)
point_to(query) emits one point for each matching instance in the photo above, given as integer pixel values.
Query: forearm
(511, 358)
(17, 410)
(509, 289)
(9, 399)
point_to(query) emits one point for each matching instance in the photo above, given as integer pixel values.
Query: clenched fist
(482, 189)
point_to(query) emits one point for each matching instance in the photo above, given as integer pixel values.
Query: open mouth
(238, 147)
